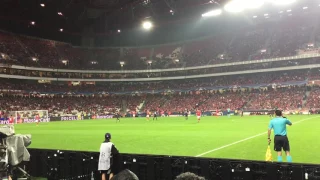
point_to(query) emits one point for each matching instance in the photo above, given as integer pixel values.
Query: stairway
(304, 101)
(24, 47)
(124, 106)
(141, 106)
(267, 43)
(248, 102)
(60, 54)
(314, 32)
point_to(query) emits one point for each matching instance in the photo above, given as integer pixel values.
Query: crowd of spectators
(314, 98)
(286, 98)
(223, 101)
(280, 98)
(61, 105)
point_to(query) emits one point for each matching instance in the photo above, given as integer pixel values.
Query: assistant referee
(278, 124)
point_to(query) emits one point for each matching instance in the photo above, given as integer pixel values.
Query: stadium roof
(104, 15)
(62, 19)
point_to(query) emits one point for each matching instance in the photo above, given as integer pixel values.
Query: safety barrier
(67, 165)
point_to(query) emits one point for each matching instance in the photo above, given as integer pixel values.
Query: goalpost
(29, 116)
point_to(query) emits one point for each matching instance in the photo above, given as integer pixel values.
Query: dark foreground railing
(67, 165)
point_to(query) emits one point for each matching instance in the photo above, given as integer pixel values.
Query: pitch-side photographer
(107, 152)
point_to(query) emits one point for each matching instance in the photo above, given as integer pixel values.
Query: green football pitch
(234, 137)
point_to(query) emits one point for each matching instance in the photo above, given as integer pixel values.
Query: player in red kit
(37, 119)
(198, 113)
(133, 114)
(11, 120)
(148, 116)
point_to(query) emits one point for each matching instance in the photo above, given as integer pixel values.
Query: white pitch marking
(237, 142)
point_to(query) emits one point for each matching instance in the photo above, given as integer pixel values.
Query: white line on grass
(237, 142)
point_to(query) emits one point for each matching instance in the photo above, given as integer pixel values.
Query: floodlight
(305, 7)
(42, 5)
(119, 31)
(147, 25)
(282, 2)
(34, 59)
(289, 10)
(255, 16)
(32, 23)
(212, 13)
(234, 6)
(121, 63)
(149, 62)
(266, 14)
(177, 60)
(61, 30)
(252, 4)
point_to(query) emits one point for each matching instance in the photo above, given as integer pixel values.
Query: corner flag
(268, 154)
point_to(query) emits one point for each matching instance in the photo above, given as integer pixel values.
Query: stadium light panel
(240, 5)
(252, 4)
(212, 13)
(282, 2)
(234, 6)
(147, 25)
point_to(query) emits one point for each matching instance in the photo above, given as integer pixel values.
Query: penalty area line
(248, 138)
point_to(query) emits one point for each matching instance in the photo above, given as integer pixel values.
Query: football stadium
(159, 89)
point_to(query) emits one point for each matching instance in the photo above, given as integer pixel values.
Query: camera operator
(107, 152)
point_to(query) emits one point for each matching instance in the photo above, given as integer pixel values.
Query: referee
(278, 124)
(107, 152)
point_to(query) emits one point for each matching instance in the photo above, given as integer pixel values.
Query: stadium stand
(314, 98)
(255, 42)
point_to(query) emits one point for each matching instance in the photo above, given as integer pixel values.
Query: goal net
(30, 116)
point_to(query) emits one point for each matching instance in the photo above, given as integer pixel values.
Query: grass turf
(177, 136)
